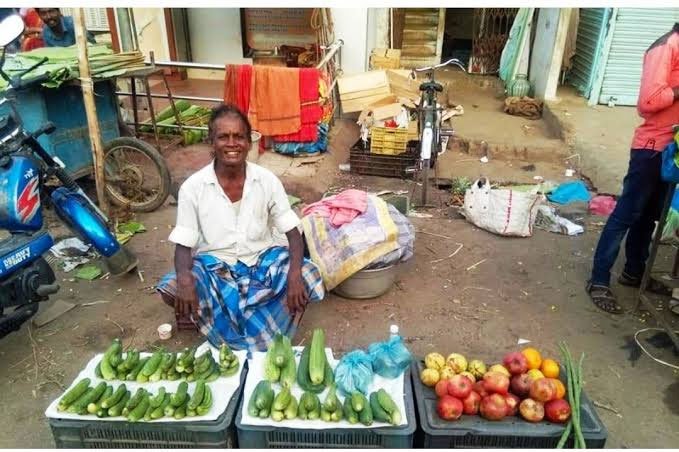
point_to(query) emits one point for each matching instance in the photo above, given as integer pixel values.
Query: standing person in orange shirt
(640, 203)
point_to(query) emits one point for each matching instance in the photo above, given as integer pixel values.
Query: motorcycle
(26, 278)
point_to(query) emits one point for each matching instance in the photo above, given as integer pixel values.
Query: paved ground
(520, 288)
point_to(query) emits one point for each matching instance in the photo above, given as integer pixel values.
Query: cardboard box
(385, 59)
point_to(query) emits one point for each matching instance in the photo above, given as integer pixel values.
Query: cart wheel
(136, 174)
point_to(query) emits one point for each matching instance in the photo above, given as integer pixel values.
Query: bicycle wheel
(136, 174)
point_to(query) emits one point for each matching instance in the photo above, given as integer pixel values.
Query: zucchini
(349, 413)
(206, 404)
(264, 413)
(277, 415)
(179, 398)
(303, 373)
(325, 415)
(264, 398)
(366, 415)
(317, 358)
(190, 412)
(117, 409)
(389, 406)
(114, 398)
(73, 394)
(379, 413)
(358, 401)
(253, 409)
(336, 416)
(198, 395)
(95, 405)
(302, 412)
(152, 364)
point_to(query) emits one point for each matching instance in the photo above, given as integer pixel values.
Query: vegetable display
(163, 365)
(104, 401)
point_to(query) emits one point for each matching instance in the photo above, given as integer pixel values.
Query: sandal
(603, 298)
(653, 286)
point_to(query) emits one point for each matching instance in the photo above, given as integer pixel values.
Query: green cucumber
(198, 395)
(152, 364)
(179, 398)
(160, 410)
(95, 405)
(135, 399)
(117, 409)
(379, 413)
(132, 375)
(206, 403)
(114, 398)
(73, 394)
(157, 400)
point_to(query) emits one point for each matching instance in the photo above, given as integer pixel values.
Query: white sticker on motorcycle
(17, 258)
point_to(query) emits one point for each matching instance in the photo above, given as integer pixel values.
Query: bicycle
(429, 117)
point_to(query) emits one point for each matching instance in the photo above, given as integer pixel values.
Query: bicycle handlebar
(454, 61)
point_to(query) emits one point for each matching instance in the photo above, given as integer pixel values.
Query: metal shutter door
(591, 34)
(635, 29)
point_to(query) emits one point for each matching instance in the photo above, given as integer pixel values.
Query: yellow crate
(390, 141)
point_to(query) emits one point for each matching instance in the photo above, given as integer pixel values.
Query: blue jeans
(635, 214)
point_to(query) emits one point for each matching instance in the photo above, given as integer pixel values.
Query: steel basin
(368, 283)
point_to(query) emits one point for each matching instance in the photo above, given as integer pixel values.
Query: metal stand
(643, 298)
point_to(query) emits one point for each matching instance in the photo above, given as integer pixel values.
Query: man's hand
(297, 297)
(187, 298)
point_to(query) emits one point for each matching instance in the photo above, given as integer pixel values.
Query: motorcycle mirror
(11, 28)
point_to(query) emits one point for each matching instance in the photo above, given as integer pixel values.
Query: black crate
(363, 162)
(217, 434)
(261, 437)
(511, 432)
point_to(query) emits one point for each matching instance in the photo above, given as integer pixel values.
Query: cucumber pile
(265, 403)
(104, 401)
(162, 365)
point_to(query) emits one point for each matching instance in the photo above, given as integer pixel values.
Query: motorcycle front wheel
(136, 174)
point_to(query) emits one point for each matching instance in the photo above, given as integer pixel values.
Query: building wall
(351, 25)
(215, 36)
(151, 32)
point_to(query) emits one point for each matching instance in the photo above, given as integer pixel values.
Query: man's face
(50, 16)
(230, 141)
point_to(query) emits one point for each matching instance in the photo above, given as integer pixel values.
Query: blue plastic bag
(668, 170)
(390, 358)
(354, 372)
(570, 192)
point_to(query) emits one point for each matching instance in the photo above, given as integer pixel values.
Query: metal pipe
(174, 126)
(333, 49)
(219, 67)
(164, 96)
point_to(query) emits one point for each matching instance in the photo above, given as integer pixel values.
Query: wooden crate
(359, 91)
(385, 59)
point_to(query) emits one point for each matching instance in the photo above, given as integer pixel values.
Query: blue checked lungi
(246, 306)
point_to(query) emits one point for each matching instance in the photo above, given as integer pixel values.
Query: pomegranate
(471, 403)
(531, 410)
(512, 404)
(480, 388)
(521, 385)
(515, 363)
(542, 390)
(493, 407)
(449, 408)
(558, 411)
(441, 388)
(459, 386)
(496, 382)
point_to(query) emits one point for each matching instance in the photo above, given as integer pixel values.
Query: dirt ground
(479, 303)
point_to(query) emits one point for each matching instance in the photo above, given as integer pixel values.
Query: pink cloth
(341, 208)
(602, 205)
